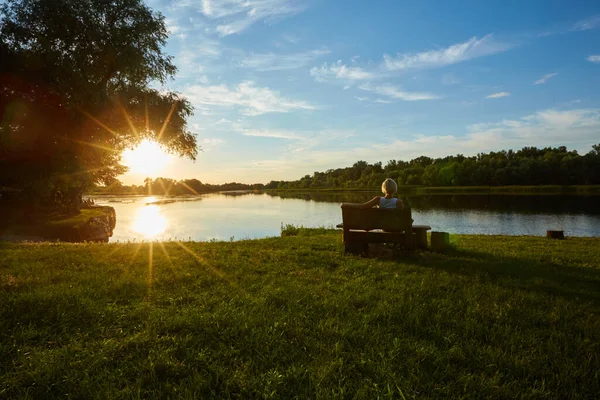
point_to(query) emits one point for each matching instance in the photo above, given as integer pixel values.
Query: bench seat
(373, 225)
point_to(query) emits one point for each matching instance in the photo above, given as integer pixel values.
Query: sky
(284, 88)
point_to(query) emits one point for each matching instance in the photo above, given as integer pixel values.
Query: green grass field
(292, 317)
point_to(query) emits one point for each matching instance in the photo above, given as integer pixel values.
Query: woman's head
(389, 187)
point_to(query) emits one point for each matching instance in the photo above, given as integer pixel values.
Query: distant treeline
(166, 186)
(528, 166)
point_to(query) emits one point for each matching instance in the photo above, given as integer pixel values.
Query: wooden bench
(374, 225)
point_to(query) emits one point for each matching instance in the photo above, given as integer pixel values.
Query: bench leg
(420, 237)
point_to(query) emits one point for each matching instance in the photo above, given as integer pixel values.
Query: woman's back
(387, 203)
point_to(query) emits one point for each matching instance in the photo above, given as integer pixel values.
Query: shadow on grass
(570, 281)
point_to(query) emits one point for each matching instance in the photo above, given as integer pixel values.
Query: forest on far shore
(529, 166)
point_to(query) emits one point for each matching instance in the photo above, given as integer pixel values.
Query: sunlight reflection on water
(149, 221)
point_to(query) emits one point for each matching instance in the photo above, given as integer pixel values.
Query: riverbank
(466, 190)
(91, 224)
(497, 317)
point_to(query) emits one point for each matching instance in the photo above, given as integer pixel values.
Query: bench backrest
(392, 220)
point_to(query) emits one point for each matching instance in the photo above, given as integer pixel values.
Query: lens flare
(149, 222)
(146, 159)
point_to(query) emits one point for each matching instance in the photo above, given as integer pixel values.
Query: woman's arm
(369, 204)
(399, 204)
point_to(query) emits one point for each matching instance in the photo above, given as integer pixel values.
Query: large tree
(76, 88)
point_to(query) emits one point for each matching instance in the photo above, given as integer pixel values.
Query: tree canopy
(77, 87)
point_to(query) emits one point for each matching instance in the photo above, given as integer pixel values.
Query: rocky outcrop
(99, 228)
(92, 224)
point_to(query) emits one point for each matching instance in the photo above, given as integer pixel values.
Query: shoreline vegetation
(292, 316)
(403, 190)
(466, 190)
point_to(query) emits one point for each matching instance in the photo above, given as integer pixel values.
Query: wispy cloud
(278, 62)
(251, 99)
(594, 58)
(394, 92)
(545, 78)
(497, 95)
(339, 70)
(192, 58)
(290, 38)
(172, 26)
(548, 127)
(575, 128)
(298, 141)
(209, 144)
(276, 134)
(450, 79)
(456, 53)
(235, 16)
(587, 23)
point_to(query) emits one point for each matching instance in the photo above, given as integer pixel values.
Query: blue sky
(283, 88)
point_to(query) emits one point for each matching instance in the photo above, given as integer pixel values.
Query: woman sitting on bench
(389, 188)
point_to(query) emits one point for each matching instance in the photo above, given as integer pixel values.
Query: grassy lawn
(292, 317)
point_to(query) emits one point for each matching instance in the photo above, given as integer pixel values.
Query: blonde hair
(389, 187)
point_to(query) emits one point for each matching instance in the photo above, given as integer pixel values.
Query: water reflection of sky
(225, 217)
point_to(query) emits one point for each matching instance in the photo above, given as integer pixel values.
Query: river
(246, 215)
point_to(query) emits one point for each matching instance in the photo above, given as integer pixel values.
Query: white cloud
(588, 23)
(277, 62)
(172, 26)
(235, 16)
(456, 53)
(252, 99)
(395, 93)
(497, 95)
(340, 71)
(545, 78)
(594, 59)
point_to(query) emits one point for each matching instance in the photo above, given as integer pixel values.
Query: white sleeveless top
(387, 203)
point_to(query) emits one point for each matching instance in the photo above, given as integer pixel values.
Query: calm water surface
(235, 216)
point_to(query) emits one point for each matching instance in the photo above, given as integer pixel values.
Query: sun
(146, 159)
